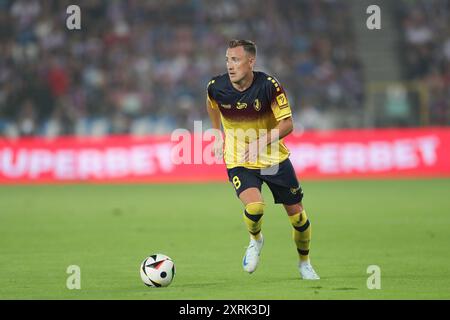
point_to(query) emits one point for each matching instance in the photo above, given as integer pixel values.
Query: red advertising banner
(331, 154)
(372, 153)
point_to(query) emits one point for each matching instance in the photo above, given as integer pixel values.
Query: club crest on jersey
(257, 105)
(241, 105)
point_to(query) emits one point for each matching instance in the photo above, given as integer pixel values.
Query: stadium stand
(144, 68)
(426, 51)
(141, 67)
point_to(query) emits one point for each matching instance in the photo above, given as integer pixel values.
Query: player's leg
(287, 191)
(254, 210)
(253, 214)
(301, 233)
(248, 189)
(301, 229)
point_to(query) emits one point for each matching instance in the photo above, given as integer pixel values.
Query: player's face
(239, 64)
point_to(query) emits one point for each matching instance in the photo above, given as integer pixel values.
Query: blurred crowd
(142, 66)
(426, 51)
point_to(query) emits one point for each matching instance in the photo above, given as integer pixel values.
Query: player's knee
(255, 208)
(294, 209)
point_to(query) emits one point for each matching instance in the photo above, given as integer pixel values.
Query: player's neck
(245, 83)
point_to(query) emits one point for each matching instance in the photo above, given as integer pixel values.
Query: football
(157, 270)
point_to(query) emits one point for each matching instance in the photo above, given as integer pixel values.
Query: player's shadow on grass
(308, 284)
(334, 289)
(297, 279)
(200, 285)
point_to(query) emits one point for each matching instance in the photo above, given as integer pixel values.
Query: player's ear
(252, 60)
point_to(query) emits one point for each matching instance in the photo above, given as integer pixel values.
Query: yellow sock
(301, 234)
(253, 219)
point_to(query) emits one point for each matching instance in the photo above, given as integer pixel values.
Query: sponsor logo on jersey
(226, 106)
(241, 105)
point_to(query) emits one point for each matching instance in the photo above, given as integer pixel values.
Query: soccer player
(254, 103)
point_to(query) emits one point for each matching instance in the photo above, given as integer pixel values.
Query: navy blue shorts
(281, 180)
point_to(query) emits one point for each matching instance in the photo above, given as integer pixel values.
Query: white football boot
(307, 272)
(251, 257)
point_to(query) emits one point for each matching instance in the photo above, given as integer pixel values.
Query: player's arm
(282, 113)
(284, 128)
(214, 116)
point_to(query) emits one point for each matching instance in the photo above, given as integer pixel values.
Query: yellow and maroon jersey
(258, 108)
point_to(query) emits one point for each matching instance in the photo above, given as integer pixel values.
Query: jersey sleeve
(210, 95)
(278, 99)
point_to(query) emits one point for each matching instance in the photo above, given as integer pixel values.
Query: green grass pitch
(400, 225)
